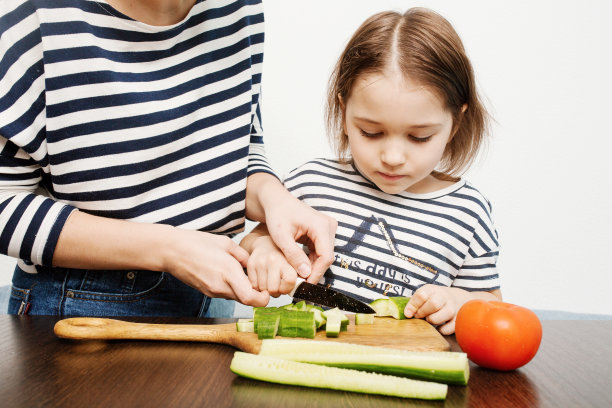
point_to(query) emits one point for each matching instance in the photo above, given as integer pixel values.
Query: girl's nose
(393, 154)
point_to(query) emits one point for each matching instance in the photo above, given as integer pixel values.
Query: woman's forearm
(92, 242)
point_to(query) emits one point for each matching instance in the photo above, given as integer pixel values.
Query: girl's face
(397, 131)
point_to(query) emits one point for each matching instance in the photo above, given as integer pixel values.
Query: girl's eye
(419, 139)
(370, 135)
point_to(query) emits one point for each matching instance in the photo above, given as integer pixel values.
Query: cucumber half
(281, 371)
(393, 306)
(443, 366)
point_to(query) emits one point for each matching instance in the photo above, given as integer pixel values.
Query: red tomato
(498, 335)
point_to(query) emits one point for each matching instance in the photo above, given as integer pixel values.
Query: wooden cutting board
(409, 334)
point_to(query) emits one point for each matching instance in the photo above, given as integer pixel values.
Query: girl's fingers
(288, 277)
(416, 302)
(274, 280)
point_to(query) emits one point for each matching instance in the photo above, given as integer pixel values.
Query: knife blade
(328, 297)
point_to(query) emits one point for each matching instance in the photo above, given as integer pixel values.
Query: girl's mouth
(390, 177)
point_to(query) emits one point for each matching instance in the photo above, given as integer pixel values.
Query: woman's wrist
(263, 192)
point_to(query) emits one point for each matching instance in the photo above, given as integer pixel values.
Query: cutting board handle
(95, 328)
(98, 328)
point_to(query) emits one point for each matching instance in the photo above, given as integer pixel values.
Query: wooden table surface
(573, 368)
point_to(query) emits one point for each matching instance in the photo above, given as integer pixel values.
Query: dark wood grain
(572, 369)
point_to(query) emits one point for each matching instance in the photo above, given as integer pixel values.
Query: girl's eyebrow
(419, 126)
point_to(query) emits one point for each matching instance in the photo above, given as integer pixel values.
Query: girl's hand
(212, 264)
(437, 304)
(267, 268)
(290, 221)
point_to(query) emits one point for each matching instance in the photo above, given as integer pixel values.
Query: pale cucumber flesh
(281, 371)
(364, 318)
(444, 366)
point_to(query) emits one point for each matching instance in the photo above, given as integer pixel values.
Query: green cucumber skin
(393, 306)
(267, 326)
(447, 367)
(447, 377)
(400, 302)
(281, 371)
(259, 312)
(297, 323)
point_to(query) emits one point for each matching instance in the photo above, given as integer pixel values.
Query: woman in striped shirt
(130, 150)
(402, 103)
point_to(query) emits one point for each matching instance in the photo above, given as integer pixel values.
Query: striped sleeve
(257, 154)
(29, 223)
(479, 269)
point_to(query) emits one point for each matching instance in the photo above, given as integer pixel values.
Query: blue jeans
(80, 292)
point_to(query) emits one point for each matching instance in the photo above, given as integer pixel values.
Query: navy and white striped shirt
(121, 119)
(392, 244)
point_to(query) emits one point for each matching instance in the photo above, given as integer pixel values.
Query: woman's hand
(290, 221)
(212, 264)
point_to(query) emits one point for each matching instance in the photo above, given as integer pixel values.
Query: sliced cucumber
(364, 318)
(281, 371)
(393, 306)
(318, 314)
(335, 312)
(444, 366)
(260, 312)
(245, 325)
(267, 327)
(333, 326)
(297, 323)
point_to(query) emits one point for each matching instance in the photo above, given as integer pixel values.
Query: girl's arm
(290, 221)
(439, 304)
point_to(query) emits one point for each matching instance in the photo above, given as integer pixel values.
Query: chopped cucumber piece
(245, 325)
(318, 314)
(259, 312)
(364, 318)
(393, 306)
(444, 366)
(333, 326)
(268, 326)
(297, 323)
(281, 371)
(337, 312)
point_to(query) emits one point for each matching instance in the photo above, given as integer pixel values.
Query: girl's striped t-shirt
(390, 245)
(121, 119)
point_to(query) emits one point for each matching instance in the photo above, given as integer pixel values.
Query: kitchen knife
(328, 297)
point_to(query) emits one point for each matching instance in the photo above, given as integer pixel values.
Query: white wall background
(544, 68)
